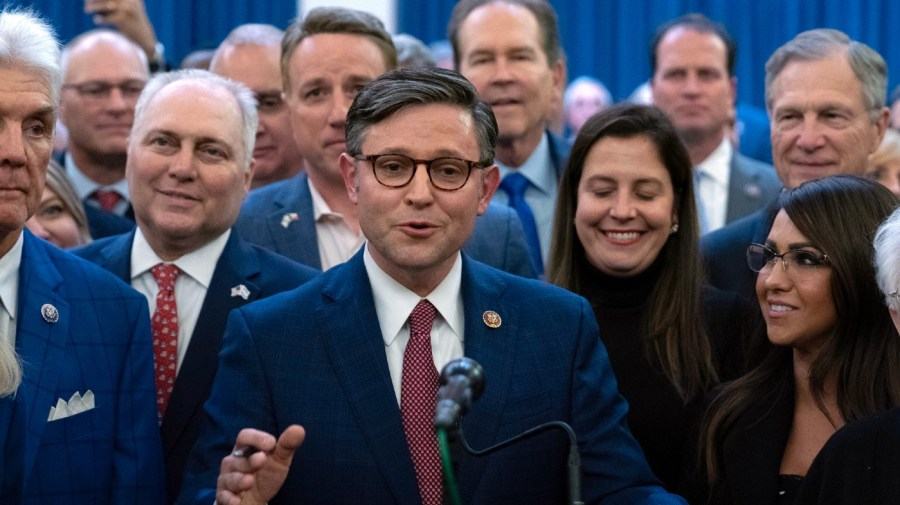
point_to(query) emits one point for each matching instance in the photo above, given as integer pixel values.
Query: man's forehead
(801, 81)
(207, 99)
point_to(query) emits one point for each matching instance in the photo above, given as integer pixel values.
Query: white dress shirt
(541, 193)
(715, 174)
(9, 291)
(197, 268)
(84, 187)
(337, 242)
(394, 304)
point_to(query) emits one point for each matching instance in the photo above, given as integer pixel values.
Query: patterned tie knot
(165, 275)
(422, 318)
(107, 199)
(514, 184)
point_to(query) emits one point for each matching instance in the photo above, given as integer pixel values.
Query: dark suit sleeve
(239, 399)
(613, 464)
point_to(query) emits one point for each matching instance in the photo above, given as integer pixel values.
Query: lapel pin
(49, 313)
(752, 190)
(240, 290)
(289, 218)
(491, 319)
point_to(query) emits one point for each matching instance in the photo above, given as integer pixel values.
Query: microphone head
(468, 368)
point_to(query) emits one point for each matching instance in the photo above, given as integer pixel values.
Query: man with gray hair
(362, 378)
(189, 168)
(81, 336)
(825, 95)
(859, 464)
(250, 55)
(326, 58)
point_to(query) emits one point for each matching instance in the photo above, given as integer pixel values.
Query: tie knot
(107, 199)
(165, 275)
(514, 184)
(422, 318)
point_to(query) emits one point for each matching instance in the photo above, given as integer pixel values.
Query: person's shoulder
(738, 233)
(92, 250)
(280, 266)
(82, 276)
(527, 291)
(263, 197)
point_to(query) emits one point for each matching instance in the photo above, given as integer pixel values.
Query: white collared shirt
(190, 288)
(394, 304)
(84, 187)
(713, 190)
(337, 242)
(541, 193)
(9, 291)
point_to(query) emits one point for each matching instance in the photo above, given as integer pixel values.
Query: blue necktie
(701, 209)
(514, 185)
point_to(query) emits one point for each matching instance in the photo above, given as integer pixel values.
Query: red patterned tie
(106, 199)
(418, 389)
(165, 334)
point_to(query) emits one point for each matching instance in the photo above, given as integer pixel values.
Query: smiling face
(625, 206)
(186, 167)
(820, 123)
(415, 232)
(26, 131)
(799, 309)
(257, 67)
(502, 55)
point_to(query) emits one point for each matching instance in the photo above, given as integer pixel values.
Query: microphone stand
(574, 464)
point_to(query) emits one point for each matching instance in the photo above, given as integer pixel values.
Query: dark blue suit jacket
(12, 447)
(315, 356)
(751, 186)
(103, 223)
(498, 240)
(725, 251)
(100, 342)
(263, 273)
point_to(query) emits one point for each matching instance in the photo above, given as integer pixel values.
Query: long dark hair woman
(625, 237)
(829, 353)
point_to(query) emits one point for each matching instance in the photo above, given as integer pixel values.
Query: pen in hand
(245, 452)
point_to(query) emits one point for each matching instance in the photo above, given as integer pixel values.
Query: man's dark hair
(700, 24)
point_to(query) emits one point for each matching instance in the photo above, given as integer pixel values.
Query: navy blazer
(725, 251)
(102, 223)
(12, 447)
(262, 272)
(315, 356)
(279, 217)
(97, 339)
(751, 186)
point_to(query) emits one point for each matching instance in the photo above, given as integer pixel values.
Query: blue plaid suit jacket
(100, 342)
(315, 356)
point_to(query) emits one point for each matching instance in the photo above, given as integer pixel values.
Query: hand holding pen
(257, 467)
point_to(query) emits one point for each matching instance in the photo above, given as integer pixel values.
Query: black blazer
(262, 272)
(860, 464)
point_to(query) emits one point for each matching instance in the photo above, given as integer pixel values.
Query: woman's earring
(673, 229)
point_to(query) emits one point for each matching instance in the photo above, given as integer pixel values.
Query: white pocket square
(76, 405)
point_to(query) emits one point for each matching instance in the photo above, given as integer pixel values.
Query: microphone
(462, 382)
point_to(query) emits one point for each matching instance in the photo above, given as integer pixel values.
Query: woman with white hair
(861, 462)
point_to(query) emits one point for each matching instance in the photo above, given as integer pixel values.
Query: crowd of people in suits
(270, 260)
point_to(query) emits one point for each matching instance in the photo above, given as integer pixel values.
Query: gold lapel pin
(491, 319)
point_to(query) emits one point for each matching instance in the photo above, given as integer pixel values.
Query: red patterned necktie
(107, 199)
(418, 389)
(165, 334)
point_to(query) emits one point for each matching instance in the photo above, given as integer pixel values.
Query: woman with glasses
(832, 354)
(625, 237)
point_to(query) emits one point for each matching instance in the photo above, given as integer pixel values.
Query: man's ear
(348, 174)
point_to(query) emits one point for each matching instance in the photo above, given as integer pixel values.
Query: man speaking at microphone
(353, 356)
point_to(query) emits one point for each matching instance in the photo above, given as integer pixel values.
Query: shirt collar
(394, 302)
(535, 167)
(716, 165)
(9, 276)
(196, 263)
(84, 186)
(320, 206)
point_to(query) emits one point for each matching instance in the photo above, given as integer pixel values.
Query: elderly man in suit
(189, 168)
(694, 84)
(82, 336)
(353, 355)
(825, 94)
(326, 58)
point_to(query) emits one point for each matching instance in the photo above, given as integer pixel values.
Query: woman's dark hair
(839, 215)
(675, 335)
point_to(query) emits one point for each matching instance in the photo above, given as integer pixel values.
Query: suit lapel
(238, 265)
(352, 339)
(293, 222)
(116, 256)
(493, 348)
(41, 344)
